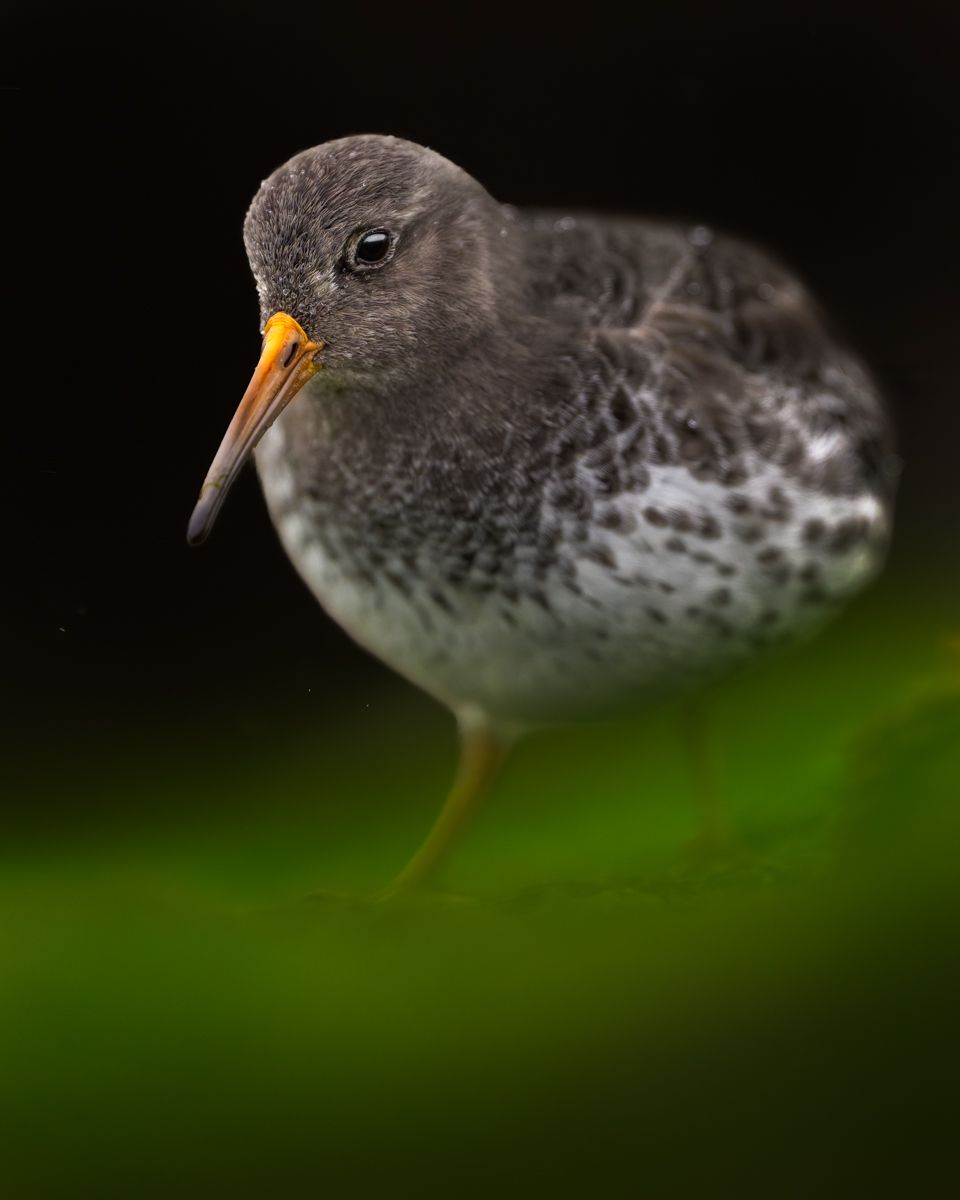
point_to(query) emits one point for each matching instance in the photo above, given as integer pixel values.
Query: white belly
(649, 608)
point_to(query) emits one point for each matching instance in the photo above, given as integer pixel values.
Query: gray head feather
(443, 287)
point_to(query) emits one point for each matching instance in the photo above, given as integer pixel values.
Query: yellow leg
(481, 754)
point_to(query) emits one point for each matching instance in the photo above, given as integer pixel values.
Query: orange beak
(286, 363)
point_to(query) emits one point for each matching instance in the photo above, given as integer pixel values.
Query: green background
(189, 750)
(595, 1012)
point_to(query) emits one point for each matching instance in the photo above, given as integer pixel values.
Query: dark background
(189, 748)
(135, 140)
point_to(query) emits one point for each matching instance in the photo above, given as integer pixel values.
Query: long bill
(286, 363)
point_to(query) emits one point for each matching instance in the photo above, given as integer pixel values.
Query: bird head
(373, 258)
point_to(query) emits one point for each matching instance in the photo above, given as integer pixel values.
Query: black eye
(372, 248)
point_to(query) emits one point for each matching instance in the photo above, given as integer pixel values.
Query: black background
(135, 138)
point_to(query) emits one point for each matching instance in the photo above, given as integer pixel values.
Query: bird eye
(372, 248)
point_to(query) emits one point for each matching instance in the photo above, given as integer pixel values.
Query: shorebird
(546, 465)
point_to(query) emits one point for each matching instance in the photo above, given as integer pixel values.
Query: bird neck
(366, 451)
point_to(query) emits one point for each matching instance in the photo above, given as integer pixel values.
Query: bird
(548, 465)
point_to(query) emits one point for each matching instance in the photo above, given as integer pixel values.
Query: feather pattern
(647, 461)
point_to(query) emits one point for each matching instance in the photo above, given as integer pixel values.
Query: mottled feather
(557, 462)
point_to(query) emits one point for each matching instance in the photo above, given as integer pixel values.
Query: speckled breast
(673, 584)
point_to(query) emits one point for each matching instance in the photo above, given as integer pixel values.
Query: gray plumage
(556, 463)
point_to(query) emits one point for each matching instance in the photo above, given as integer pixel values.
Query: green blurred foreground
(605, 1017)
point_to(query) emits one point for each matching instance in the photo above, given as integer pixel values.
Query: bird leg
(481, 754)
(714, 835)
